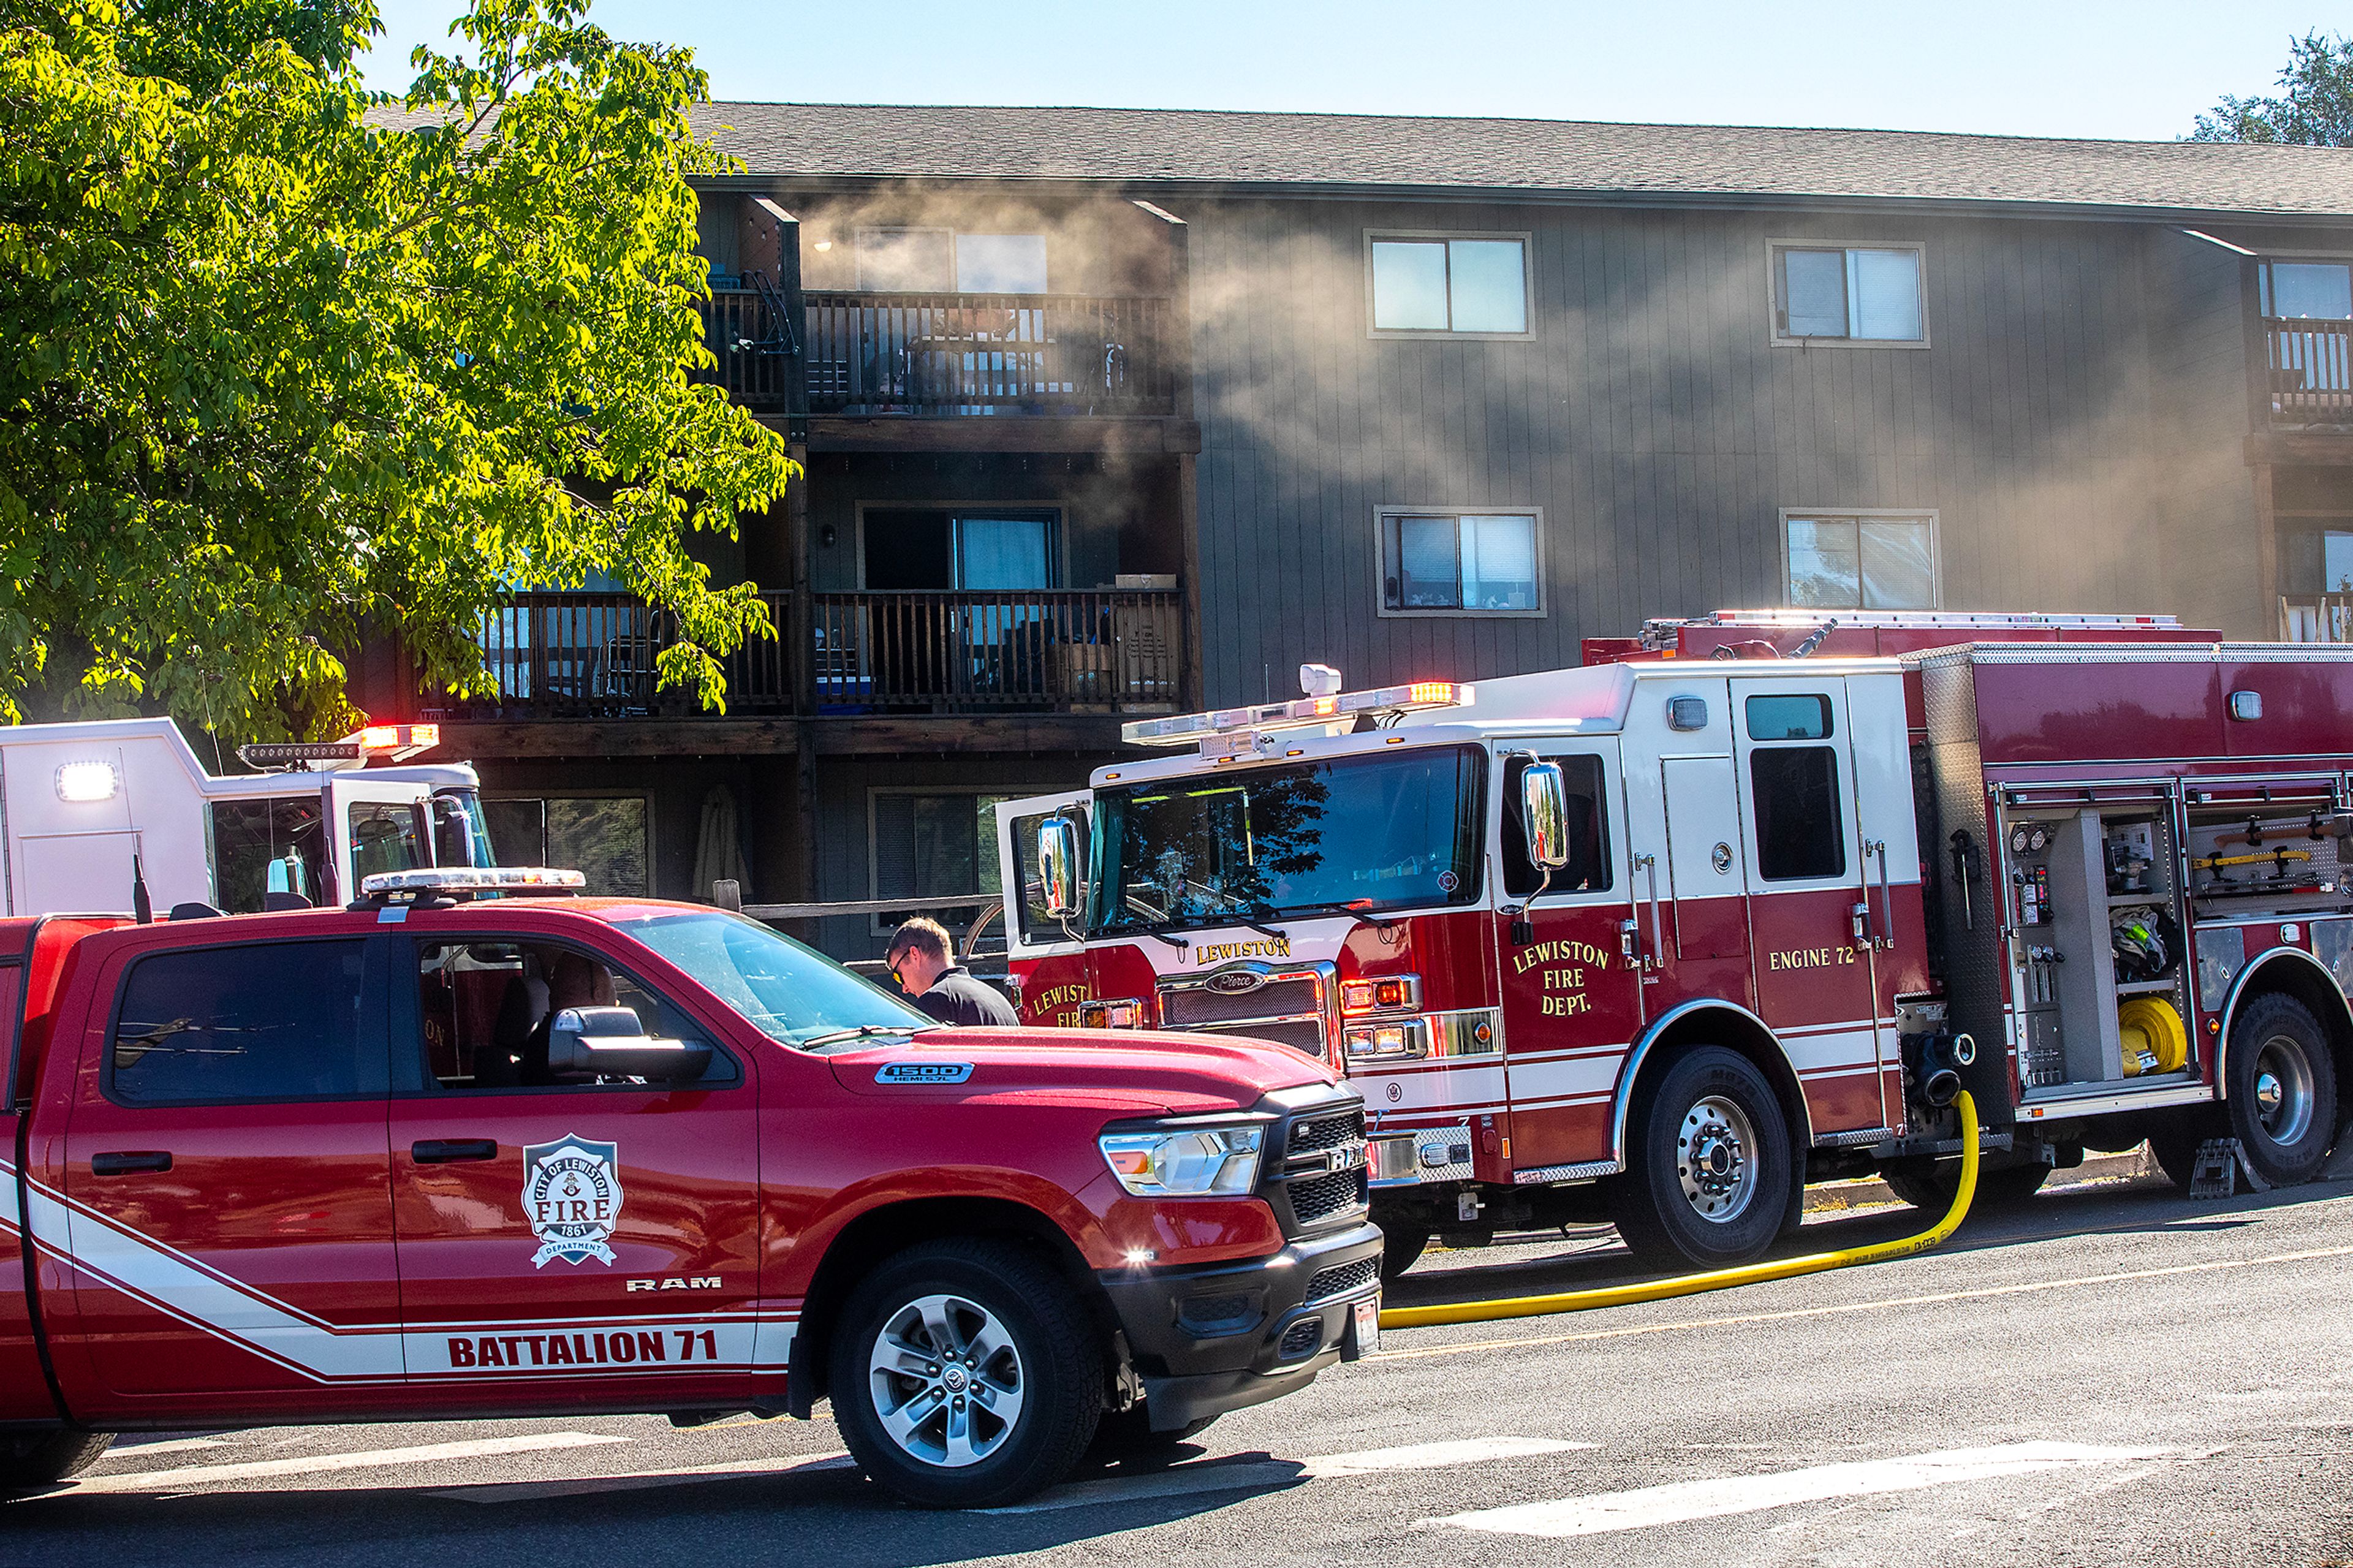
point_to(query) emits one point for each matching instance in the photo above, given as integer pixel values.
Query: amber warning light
(1185, 728)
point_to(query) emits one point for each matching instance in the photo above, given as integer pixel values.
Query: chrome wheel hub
(1713, 1159)
(2283, 1090)
(946, 1381)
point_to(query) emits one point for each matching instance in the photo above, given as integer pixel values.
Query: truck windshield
(790, 993)
(1359, 832)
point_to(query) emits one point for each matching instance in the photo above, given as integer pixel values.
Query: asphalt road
(2110, 1374)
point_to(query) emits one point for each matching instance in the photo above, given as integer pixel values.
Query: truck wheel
(966, 1374)
(2283, 1089)
(1930, 1184)
(1713, 1167)
(2173, 1143)
(29, 1462)
(1401, 1248)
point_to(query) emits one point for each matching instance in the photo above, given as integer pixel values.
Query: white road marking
(640, 1480)
(322, 1464)
(1186, 1481)
(1884, 1304)
(131, 1447)
(1676, 1502)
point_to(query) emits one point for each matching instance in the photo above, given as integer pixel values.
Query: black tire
(1034, 1338)
(27, 1463)
(1127, 1435)
(1930, 1184)
(1401, 1247)
(1704, 1191)
(2281, 1088)
(2174, 1144)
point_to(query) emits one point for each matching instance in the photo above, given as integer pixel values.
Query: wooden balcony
(591, 657)
(946, 355)
(2316, 617)
(2310, 366)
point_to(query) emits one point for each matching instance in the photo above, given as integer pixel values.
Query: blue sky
(2060, 67)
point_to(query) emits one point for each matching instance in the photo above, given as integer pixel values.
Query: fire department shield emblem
(571, 1196)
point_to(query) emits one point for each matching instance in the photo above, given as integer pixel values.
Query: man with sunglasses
(925, 965)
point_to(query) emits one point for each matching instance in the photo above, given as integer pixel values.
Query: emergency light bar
(1185, 728)
(397, 743)
(426, 881)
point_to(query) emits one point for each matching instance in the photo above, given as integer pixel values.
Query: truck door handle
(123, 1164)
(442, 1151)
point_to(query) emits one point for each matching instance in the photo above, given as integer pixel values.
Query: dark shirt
(955, 997)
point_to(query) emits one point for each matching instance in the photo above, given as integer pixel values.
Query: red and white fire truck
(1740, 904)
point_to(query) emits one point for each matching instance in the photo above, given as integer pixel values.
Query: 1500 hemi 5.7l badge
(572, 1196)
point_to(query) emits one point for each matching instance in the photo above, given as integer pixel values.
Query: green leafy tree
(291, 365)
(2314, 108)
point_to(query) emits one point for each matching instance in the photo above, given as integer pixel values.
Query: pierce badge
(571, 1196)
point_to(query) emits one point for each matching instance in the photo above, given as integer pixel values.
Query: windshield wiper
(858, 1032)
(1353, 908)
(1250, 909)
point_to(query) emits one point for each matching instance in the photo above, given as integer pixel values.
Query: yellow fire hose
(1717, 1280)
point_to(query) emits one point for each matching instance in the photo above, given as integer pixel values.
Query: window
(1004, 548)
(2307, 291)
(933, 847)
(939, 262)
(1388, 831)
(265, 846)
(1860, 560)
(1442, 283)
(2336, 563)
(484, 1009)
(1588, 871)
(1793, 718)
(1799, 832)
(1847, 293)
(1459, 563)
(603, 838)
(383, 837)
(276, 1021)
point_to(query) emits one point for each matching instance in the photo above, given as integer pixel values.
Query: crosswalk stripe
(641, 1480)
(322, 1464)
(1646, 1506)
(1186, 1481)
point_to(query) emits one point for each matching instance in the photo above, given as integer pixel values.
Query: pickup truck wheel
(29, 1462)
(965, 1374)
(2283, 1089)
(1712, 1168)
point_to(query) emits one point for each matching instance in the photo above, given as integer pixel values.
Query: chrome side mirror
(1544, 814)
(1058, 867)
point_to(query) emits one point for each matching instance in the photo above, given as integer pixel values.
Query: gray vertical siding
(1652, 419)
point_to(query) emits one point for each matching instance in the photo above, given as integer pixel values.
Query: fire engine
(1742, 903)
(90, 812)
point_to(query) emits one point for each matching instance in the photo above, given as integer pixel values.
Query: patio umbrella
(719, 849)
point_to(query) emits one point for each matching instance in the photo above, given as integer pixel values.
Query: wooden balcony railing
(591, 655)
(2316, 617)
(945, 354)
(581, 656)
(1071, 652)
(2311, 369)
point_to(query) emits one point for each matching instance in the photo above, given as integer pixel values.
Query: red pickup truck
(443, 1155)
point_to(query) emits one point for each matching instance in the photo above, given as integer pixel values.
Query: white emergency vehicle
(97, 817)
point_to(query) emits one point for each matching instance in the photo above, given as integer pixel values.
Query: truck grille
(1339, 1282)
(1327, 1133)
(1320, 1197)
(1292, 1005)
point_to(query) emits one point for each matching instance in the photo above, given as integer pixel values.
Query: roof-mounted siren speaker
(1319, 680)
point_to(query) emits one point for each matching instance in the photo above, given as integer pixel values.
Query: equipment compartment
(2095, 918)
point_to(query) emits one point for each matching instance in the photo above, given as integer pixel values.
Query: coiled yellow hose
(1720, 1278)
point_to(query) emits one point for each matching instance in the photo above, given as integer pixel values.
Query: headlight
(1190, 1163)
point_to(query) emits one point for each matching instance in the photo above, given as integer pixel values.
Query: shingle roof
(1181, 148)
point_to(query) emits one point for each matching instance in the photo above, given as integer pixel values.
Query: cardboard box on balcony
(1146, 581)
(1082, 675)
